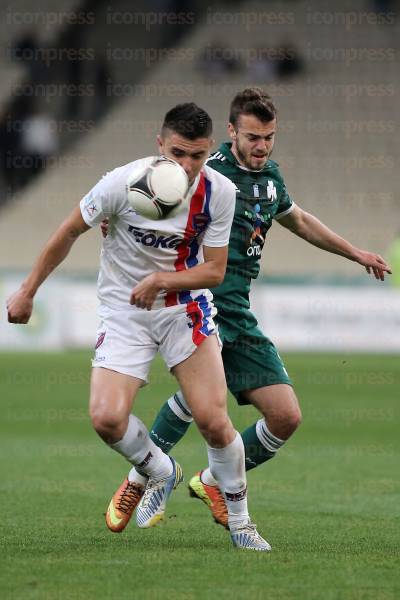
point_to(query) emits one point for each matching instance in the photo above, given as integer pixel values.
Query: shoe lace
(251, 529)
(151, 486)
(130, 496)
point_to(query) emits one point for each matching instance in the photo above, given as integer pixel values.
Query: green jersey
(261, 196)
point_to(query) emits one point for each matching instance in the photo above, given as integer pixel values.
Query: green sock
(168, 428)
(256, 452)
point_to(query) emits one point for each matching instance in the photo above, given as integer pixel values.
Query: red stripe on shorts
(195, 313)
(196, 205)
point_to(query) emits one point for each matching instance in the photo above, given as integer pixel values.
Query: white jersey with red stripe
(136, 246)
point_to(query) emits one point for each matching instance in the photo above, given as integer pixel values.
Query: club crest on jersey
(200, 222)
(271, 192)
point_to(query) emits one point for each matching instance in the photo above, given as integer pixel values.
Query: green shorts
(251, 361)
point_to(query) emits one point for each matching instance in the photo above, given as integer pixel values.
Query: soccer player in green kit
(254, 370)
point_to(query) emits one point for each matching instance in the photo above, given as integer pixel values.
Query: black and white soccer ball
(160, 191)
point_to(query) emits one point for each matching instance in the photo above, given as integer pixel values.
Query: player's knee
(293, 420)
(104, 422)
(286, 423)
(217, 430)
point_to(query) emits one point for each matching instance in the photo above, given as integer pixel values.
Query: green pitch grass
(329, 504)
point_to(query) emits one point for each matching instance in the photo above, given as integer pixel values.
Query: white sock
(138, 448)
(267, 439)
(135, 477)
(177, 404)
(228, 468)
(207, 478)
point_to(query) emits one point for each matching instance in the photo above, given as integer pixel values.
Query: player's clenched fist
(144, 294)
(19, 307)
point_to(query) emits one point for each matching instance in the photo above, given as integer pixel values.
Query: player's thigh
(202, 380)
(252, 362)
(111, 395)
(123, 354)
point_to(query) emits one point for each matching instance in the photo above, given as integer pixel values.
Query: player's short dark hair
(189, 121)
(252, 101)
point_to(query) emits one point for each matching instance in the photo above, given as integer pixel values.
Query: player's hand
(374, 264)
(19, 307)
(144, 294)
(104, 227)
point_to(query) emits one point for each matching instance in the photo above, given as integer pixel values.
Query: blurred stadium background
(84, 88)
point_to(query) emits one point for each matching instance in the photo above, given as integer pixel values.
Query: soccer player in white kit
(153, 296)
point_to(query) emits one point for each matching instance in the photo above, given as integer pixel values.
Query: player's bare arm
(20, 304)
(209, 274)
(316, 233)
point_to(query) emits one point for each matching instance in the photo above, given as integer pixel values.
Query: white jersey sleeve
(222, 211)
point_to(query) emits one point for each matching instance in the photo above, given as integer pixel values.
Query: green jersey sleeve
(285, 203)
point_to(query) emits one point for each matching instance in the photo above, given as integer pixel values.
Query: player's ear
(160, 142)
(231, 131)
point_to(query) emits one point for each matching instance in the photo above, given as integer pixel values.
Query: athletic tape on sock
(177, 404)
(268, 439)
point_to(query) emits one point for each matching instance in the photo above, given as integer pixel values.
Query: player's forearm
(206, 275)
(319, 235)
(55, 251)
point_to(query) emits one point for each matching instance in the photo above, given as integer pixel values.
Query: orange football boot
(122, 505)
(211, 496)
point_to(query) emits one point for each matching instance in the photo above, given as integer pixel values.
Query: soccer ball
(160, 191)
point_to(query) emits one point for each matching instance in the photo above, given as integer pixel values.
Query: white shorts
(128, 340)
